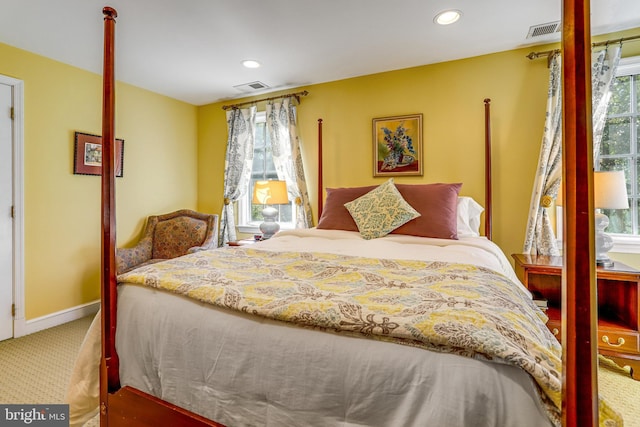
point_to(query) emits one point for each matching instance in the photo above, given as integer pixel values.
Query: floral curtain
(241, 125)
(540, 238)
(287, 157)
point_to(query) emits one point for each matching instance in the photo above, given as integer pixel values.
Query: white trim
(628, 66)
(255, 229)
(18, 197)
(625, 244)
(22, 328)
(248, 229)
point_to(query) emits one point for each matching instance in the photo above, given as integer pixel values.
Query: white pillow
(468, 217)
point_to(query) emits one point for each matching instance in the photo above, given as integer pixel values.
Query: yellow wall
(450, 96)
(62, 210)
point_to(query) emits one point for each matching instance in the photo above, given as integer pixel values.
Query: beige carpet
(36, 369)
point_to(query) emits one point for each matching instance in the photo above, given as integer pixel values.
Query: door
(6, 204)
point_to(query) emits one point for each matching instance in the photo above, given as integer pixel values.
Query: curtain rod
(295, 95)
(550, 53)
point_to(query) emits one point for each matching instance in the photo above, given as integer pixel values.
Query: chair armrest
(128, 258)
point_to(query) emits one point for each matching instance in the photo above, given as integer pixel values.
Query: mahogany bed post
(487, 169)
(109, 376)
(320, 181)
(579, 361)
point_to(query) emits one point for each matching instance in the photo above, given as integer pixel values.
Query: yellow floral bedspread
(454, 308)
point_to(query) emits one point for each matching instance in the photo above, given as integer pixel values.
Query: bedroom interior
(339, 157)
(171, 144)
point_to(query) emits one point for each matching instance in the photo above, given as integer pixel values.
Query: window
(249, 214)
(620, 150)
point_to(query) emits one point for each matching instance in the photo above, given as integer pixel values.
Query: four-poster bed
(127, 406)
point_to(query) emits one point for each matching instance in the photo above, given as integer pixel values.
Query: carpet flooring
(37, 368)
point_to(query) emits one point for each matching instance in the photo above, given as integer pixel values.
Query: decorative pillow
(334, 215)
(436, 203)
(380, 211)
(438, 207)
(468, 217)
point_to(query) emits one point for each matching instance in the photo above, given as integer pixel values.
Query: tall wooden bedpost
(488, 214)
(579, 370)
(109, 362)
(320, 174)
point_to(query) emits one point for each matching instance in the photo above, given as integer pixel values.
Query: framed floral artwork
(397, 145)
(87, 159)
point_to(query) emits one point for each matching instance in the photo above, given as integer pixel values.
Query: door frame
(18, 202)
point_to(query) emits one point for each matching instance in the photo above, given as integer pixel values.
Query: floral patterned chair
(170, 236)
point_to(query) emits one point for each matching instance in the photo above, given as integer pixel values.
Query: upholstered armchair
(170, 236)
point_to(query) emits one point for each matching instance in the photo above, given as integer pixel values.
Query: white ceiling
(191, 49)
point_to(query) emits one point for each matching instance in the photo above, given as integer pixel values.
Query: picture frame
(397, 145)
(87, 157)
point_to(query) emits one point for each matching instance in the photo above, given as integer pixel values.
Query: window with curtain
(620, 150)
(249, 214)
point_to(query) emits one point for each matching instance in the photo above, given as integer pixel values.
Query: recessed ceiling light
(447, 17)
(251, 63)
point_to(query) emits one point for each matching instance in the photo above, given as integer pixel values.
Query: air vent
(251, 87)
(544, 29)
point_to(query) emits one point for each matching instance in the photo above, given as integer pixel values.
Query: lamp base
(604, 242)
(269, 227)
(605, 263)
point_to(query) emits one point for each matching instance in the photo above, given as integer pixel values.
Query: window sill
(248, 229)
(622, 244)
(255, 229)
(625, 244)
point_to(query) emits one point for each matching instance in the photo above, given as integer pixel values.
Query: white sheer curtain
(603, 69)
(241, 125)
(287, 157)
(540, 238)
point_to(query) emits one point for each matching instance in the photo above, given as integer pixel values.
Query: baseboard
(23, 327)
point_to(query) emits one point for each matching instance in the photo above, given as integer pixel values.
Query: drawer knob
(555, 331)
(605, 339)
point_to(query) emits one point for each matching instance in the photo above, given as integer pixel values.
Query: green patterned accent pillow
(380, 211)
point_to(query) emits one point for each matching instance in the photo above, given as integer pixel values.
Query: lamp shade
(610, 190)
(270, 193)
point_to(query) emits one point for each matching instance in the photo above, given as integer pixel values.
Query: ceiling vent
(544, 29)
(251, 87)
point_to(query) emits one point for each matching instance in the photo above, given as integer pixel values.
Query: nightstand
(618, 304)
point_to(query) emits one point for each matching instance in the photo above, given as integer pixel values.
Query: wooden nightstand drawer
(618, 340)
(607, 339)
(555, 326)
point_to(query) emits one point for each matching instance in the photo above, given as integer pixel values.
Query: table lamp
(269, 193)
(609, 192)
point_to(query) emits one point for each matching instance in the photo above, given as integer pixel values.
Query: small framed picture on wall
(397, 145)
(87, 159)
